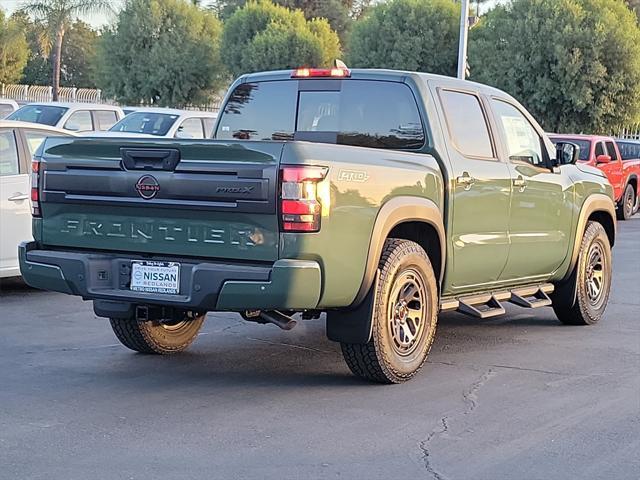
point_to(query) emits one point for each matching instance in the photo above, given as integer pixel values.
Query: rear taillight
(35, 192)
(300, 204)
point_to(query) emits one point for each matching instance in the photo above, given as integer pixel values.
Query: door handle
(18, 197)
(466, 180)
(520, 182)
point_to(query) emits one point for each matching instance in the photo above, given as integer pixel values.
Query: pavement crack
(426, 452)
(291, 345)
(470, 396)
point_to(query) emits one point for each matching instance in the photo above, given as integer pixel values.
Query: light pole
(464, 33)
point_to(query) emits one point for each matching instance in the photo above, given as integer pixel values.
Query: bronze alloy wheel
(406, 312)
(595, 275)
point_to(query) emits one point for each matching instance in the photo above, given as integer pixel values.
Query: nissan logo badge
(147, 187)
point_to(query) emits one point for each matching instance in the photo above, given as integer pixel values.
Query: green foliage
(265, 36)
(575, 64)
(417, 35)
(635, 6)
(165, 52)
(77, 61)
(14, 50)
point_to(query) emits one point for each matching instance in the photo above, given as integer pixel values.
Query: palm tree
(57, 15)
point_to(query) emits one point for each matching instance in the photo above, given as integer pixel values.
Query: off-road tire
(587, 310)
(379, 360)
(154, 337)
(627, 203)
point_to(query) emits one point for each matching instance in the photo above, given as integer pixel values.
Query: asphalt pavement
(515, 397)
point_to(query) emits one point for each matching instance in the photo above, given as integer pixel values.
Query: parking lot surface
(514, 397)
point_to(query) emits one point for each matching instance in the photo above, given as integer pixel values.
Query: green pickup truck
(379, 197)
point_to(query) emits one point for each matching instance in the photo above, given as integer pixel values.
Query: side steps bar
(487, 305)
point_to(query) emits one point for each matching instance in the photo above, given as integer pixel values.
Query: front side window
(79, 122)
(599, 149)
(584, 145)
(44, 114)
(611, 151)
(467, 124)
(190, 128)
(8, 154)
(150, 123)
(106, 119)
(522, 140)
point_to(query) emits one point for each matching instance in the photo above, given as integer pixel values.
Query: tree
(77, 58)
(58, 15)
(635, 6)
(418, 35)
(14, 50)
(165, 52)
(575, 64)
(265, 36)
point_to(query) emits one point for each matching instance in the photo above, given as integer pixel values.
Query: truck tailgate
(197, 198)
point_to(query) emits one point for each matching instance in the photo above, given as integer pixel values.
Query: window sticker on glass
(518, 134)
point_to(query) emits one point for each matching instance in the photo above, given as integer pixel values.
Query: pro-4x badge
(147, 187)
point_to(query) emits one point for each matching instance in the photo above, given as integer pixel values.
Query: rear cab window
(365, 113)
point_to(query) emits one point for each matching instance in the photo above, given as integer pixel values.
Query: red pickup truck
(603, 153)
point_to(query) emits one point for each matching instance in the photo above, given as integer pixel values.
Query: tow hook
(285, 322)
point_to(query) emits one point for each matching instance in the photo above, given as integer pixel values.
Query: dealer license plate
(155, 277)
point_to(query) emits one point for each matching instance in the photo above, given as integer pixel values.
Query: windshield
(44, 114)
(150, 123)
(585, 146)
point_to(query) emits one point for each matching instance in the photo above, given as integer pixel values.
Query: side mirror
(603, 159)
(567, 153)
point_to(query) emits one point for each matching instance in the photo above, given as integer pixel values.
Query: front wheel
(404, 317)
(157, 337)
(592, 277)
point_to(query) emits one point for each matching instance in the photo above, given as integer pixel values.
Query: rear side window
(190, 128)
(611, 149)
(106, 119)
(8, 154)
(362, 113)
(467, 124)
(260, 111)
(629, 150)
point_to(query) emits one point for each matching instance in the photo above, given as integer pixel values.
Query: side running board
(487, 305)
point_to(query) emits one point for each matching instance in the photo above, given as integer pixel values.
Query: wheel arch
(599, 208)
(410, 218)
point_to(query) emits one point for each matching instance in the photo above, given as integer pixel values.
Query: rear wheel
(404, 317)
(627, 204)
(593, 278)
(157, 337)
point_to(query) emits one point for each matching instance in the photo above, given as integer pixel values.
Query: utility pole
(464, 33)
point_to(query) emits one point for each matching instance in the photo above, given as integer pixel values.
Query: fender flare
(354, 325)
(394, 212)
(597, 202)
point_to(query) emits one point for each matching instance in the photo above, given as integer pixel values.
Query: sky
(9, 6)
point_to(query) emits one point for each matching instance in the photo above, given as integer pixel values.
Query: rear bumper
(285, 285)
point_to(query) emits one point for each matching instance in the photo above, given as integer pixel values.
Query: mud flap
(566, 292)
(354, 325)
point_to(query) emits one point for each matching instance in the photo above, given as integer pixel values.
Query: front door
(15, 209)
(481, 195)
(541, 206)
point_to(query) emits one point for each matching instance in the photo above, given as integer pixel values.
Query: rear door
(481, 193)
(176, 198)
(15, 210)
(614, 169)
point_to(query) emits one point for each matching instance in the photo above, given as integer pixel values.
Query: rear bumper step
(204, 286)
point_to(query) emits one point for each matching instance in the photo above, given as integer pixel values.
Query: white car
(164, 122)
(75, 117)
(7, 106)
(18, 142)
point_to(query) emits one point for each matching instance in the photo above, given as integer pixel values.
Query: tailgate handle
(150, 158)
